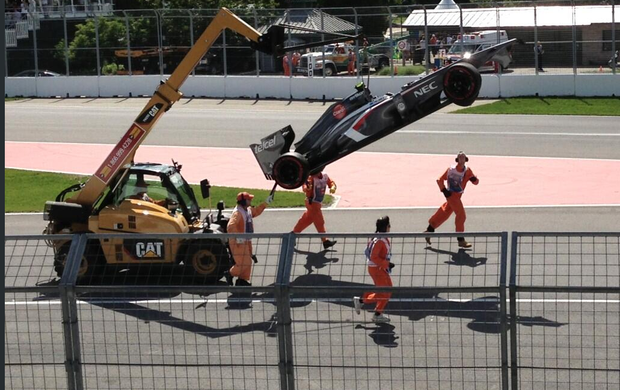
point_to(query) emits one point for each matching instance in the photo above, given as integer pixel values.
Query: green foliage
(27, 191)
(409, 70)
(549, 106)
(204, 4)
(112, 69)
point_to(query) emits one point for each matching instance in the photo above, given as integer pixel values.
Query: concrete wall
(279, 87)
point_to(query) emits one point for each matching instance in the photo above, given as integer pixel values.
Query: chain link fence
(456, 322)
(576, 37)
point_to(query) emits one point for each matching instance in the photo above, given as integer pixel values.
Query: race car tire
(290, 170)
(462, 83)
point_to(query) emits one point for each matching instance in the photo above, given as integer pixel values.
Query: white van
(480, 40)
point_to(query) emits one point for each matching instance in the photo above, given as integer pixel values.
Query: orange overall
(314, 188)
(351, 64)
(241, 222)
(456, 185)
(286, 66)
(378, 268)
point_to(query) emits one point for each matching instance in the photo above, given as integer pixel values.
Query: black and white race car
(361, 119)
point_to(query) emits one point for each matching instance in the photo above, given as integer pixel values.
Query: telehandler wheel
(207, 259)
(290, 170)
(462, 83)
(91, 266)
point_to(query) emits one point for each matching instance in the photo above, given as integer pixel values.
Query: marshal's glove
(392, 265)
(446, 192)
(332, 189)
(473, 179)
(269, 199)
(254, 259)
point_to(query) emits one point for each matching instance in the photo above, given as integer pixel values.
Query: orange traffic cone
(600, 68)
(395, 70)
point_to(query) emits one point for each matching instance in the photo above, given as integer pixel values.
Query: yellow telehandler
(127, 197)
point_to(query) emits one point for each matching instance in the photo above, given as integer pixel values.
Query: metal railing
(456, 322)
(159, 39)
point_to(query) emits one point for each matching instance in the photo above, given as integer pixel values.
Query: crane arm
(167, 94)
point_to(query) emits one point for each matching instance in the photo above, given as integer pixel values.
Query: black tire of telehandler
(92, 265)
(290, 170)
(206, 261)
(462, 83)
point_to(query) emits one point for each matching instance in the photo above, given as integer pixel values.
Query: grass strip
(27, 191)
(549, 106)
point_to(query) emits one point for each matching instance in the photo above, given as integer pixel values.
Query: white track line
(334, 300)
(459, 132)
(358, 152)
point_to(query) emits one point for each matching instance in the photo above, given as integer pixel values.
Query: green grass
(27, 191)
(10, 99)
(549, 106)
(409, 70)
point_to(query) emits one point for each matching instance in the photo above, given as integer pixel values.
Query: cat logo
(147, 250)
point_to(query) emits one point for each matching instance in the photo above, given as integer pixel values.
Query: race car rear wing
(272, 147)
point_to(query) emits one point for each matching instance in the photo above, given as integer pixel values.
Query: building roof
(512, 16)
(311, 18)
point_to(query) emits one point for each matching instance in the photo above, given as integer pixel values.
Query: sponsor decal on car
(339, 112)
(423, 90)
(265, 144)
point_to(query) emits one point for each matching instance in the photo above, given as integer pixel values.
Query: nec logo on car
(266, 144)
(149, 249)
(425, 89)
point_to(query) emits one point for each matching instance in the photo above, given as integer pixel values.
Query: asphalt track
(537, 174)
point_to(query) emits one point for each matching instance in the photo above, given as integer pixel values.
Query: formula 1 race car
(361, 119)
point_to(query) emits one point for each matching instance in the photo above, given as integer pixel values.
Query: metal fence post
(535, 39)
(502, 309)
(613, 37)
(128, 34)
(97, 45)
(64, 23)
(426, 55)
(391, 42)
(257, 54)
(283, 305)
(73, 365)
(514, 373)
(191, 35)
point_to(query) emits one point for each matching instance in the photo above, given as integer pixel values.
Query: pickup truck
(336, 60)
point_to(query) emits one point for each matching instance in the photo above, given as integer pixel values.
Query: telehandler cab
(127, 197)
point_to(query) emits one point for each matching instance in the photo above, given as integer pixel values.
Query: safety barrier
(455, 321)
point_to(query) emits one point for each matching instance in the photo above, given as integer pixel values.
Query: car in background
(477, 41)
(35, 73)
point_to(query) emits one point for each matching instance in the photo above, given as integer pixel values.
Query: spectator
(433, 43)
(351, 64)
(538, 50)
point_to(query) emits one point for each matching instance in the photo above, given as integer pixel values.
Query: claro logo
(266, 144)
(425, 89)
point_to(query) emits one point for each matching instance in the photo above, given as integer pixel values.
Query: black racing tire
(462, 83)
(290, 170)
(92, 265)
(207, 260)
